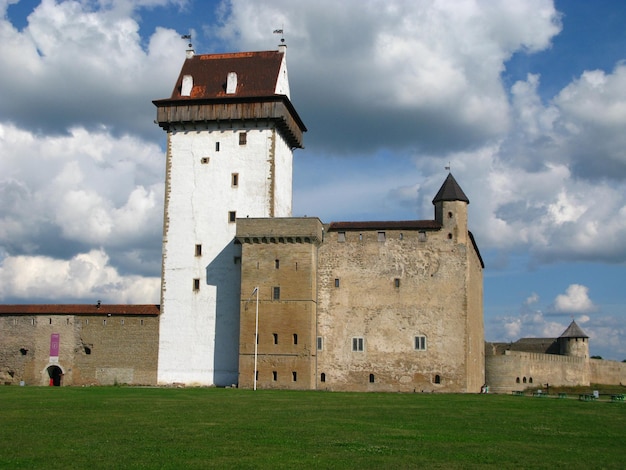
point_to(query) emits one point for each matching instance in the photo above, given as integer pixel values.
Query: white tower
(231, 130)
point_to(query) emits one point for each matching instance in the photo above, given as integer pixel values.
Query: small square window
(336, 282)
(198, 250)
(243, 138)
(204, 160)
(196, 284)
(276, 263)
(381, 236)
(234, 180)
(276, 293)
(420, 343)
(232, 216)
(396, 282)
(320, 343)
(341, 237)
(357, 344)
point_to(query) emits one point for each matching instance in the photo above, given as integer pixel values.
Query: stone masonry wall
(98, 350)
(387, 293)
(516, 370)
(279, 254)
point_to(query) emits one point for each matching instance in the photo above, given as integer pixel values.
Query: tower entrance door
(56, 375)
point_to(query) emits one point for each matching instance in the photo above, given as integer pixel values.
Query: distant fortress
(256, 298)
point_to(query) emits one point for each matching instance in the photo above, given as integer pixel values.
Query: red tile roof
(79, 309)
(391, 225)
(257, 74)
(254, 98)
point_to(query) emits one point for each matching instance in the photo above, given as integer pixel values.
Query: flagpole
(256, 335)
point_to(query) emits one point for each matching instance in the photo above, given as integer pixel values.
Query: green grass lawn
(121, 427)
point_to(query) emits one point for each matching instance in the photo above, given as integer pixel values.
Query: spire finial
(190, 51)
(282, 34)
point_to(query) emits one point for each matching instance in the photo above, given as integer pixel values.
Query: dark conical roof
(450, 191)
(573, 331)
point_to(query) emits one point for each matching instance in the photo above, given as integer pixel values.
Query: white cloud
(76, 65)
(432, 68)
(527, 192)
(84, 276)
(531, 299)
(85, 188)
(575, 300)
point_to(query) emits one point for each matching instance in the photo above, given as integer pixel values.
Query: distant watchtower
(451, 210)
(231, 130)
(574, 342)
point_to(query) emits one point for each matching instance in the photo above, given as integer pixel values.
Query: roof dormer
(231, 83)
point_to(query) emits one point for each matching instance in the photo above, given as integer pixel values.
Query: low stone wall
(92, 349)
(517, 370)
(607, 372)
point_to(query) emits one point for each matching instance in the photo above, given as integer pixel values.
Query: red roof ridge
(234, 55)
(79, 309)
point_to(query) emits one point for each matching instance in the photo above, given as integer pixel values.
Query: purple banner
(54, 344)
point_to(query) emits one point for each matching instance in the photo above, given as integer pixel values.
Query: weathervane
(188, 38)
(280, 31)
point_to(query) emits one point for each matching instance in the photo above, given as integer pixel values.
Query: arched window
(437, 379)
(371, 378)
(517, 380)
(524, 379)
(530, 380)
(323, 377)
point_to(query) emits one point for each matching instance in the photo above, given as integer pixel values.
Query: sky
(524, 100)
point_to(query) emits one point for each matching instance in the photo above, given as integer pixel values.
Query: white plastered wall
(199, 329)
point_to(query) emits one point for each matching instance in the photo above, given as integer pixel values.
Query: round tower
(451, 209)
(574, 342)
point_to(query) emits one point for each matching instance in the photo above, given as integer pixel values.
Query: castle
(255, 297)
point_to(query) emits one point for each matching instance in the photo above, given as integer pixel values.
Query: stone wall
(516, 370)
(279, 257)
(98, 350)
(607, 372)
(386, 292)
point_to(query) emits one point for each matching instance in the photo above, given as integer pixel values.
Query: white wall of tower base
(200, 295)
